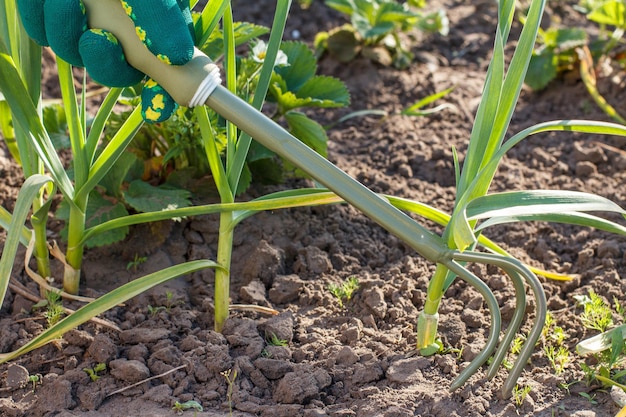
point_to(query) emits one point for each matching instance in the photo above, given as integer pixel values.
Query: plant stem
(435, 290)
(75, 249)
(429, 318)
(222, 276)
(42, 255)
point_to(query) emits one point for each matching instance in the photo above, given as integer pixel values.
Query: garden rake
(198, 83)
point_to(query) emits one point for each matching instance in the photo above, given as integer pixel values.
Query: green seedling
(597, 314)
(95, 371)
(134, 264)
(274, 340)
(419, 108)
(608, 348)
(566, 386)
(54, 308)
(169, 303)
(589, 397)
(374, 30)
(155, 310)
(518, 343)
(558, 357)
(520, 393)
(35, 380)
(180, 408)
(230, 376)
(343, 292)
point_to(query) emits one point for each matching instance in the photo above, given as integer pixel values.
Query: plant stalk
(222, 275)
(429, 318)
(75, 249)
(42, 254)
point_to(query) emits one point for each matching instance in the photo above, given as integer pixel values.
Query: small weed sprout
(230, 377)
(520, 393)
(597, 314)
(179, 407)
(35, 379)
(344, 292)
(134, 264)
(552, 338)
(93, 372)
(169, 303)
(559, 357)
(517, 344)
(54, 309)
(588, 397)
(274, 340)
(154, 310)
(609, 347)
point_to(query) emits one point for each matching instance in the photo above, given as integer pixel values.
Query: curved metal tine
(514, 325)
(513, 266)
(494, 310)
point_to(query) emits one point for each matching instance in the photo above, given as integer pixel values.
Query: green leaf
(99, 210)
(325, 91)
(266, 171)
(600, 342)
(55, 122)
(29, 191)
(542, 69)
(244, 32)
(208, 20)
(107, 302)
(245, 179)
(318, 91)
(610, 13)
(573, 218)
(617, 345)
(308, 131)
(343, 44)
(537, 202)
(413, 109)
(302, 65)
(25, 114)
(259, 152)
(144, 197)
(114, 178)
(570, 38)
(343, 6)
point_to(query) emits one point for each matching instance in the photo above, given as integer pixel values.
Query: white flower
(260, 50)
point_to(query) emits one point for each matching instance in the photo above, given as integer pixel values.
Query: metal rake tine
(514, 325)
(518, 315)
(494, 310)
(514, 267)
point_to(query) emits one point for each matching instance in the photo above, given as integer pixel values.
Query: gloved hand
(164, 26)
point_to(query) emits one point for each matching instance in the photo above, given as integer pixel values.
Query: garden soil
(358, 359)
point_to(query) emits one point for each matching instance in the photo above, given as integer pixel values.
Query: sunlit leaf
(144, 197)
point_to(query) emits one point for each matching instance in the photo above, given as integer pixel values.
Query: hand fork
(198, 83)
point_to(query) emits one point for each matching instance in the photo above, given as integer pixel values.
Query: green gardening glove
(164, 26)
